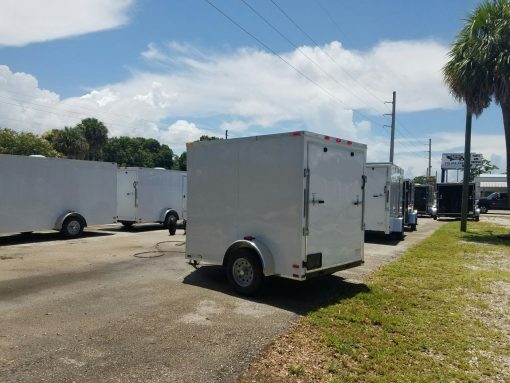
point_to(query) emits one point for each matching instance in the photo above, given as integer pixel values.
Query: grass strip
(432, 316)
(420, 319)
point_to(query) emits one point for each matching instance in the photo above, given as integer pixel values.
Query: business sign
(456, 160)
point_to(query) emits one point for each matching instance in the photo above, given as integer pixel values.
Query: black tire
(413, 227)
(244, 272)
(127, 224)
(435, 217)
(72, 227)
(477, 219)
(171, 222)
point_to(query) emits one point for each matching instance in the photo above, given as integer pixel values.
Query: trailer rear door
(184, 196)
(127, 195)
(334, 208)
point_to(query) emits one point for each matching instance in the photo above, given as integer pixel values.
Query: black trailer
(409, 212)
(449, 200)
(425, 200)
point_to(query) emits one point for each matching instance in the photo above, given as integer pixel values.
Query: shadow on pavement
(287, 294)
(380, 238)
(137, 228)
(34, 237)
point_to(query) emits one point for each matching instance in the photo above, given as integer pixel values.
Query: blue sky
(174, 70)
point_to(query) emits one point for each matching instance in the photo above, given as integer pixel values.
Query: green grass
(414, 322)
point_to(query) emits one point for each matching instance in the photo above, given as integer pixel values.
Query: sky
(176, 70)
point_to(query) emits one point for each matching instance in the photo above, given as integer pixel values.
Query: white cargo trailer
(151, 195)
(384, 199)
(287, 204)
(38, 193)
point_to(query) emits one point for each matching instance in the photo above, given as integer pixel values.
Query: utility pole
(467, 166)
(392, 141)
(226, 134)
(429, 171)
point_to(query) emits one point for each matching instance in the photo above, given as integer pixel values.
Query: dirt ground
(124, 306)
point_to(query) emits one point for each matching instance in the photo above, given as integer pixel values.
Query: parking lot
(118, 306)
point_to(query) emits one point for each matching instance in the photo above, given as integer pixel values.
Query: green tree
(96, 134)
(70, 142)
(478, 70)
(180, 162)
(209, 138)
(424, 180)
(485, 167)
(138, 151)
(12, 142)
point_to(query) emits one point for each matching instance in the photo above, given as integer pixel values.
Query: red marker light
(295, 266)
(327, 137)
(338, 140)
(249, 238)
(296, 133)
(349, 142)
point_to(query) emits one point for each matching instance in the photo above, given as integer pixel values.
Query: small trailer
(39, 193)
(286, 204)
(384, 199)
(410, 215)
(449, 201)
(151, 195)
(425, 200)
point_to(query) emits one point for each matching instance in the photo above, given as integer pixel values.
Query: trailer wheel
(127, 223)
(413, 227)
(435, 217)
(244, 271)
(72, 227)
(171, 222)
(477, 219)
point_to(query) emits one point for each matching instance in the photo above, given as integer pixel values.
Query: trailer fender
(164, 213)
(63, 217)
(266, 258)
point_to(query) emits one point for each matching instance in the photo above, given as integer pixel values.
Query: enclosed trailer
(384, 199)
(449, 200)
(287, 204)
(410, 215)
(38, 193)
(151, 195)
(425, 200)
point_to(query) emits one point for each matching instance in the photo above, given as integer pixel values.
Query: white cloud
(252, 92)
(27, 21)
(182, 132)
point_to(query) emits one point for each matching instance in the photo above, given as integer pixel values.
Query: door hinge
(305, 231)
(307, 172)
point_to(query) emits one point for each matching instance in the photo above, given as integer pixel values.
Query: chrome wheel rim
(242, 271)
(73, 227)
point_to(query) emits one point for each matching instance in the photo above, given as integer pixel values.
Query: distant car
(493, 201)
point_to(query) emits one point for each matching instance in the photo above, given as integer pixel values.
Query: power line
(324, 52)
(303, 53)
(286, 61)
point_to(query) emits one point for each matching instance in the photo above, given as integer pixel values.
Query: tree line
(88, 140)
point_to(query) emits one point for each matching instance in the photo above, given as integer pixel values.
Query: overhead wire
(295, 46)
(304, 75)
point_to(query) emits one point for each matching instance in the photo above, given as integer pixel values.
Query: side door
(184, 193)
(127, 195)
(334, 205)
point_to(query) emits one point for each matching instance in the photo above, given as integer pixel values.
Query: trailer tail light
(327, 138)
(249, 238)
(349, 142)
(296, 133)
(338, 140)
(294, 266)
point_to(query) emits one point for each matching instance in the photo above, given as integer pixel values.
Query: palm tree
(71, 143)
(96, 134)
(478, 70)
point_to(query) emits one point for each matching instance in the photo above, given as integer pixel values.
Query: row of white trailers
(294, 205)
(38, 194)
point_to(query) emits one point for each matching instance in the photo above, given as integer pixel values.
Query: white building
(486, 184)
